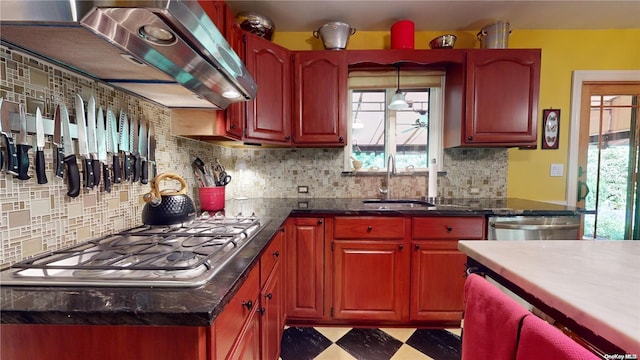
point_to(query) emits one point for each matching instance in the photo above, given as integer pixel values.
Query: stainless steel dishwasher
(533, 228)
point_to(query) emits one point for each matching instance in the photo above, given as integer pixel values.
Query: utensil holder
(212, 198)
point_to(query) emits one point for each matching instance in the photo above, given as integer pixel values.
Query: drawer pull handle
(369, 228)
(248, 304)
(276, 253)
(449, 229)
(269, 296)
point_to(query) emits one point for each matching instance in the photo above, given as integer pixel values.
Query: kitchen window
(413, 135)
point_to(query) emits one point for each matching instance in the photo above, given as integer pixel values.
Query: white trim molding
(579, 77)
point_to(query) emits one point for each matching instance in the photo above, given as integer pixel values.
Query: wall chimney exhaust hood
(168, 51)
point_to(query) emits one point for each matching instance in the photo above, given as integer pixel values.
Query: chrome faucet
(391, 169)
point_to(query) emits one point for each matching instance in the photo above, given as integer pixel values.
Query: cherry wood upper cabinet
(269, 113)
(500, 101)
(320, 98)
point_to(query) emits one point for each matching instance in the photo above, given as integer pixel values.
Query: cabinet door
(236, 113)
(369, 280)
(269, 113)
(320, 98)
(305, 268)
(502, 97)
(272, 321)
(247, 347)
(437, 281)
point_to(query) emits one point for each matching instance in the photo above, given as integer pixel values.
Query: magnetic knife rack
(13, 109)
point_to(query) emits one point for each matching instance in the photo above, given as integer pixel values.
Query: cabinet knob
(400, 247)
(369, 228)
(288, 137)
(469, 138)
(449, 229)
(269, 296)
(340, 139)
(281, 229)
(248, 304)
(417, 247)
(233, 126)
(319, 222)
(276, 253)
(261, 311)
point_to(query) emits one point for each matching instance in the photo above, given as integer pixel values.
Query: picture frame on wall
(550, 128)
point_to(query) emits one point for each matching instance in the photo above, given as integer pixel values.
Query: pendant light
(398, 101)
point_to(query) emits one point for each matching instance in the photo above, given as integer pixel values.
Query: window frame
(436, 131)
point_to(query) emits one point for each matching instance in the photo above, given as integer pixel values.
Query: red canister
(402, 33)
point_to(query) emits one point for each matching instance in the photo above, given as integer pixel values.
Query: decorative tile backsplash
(40, 218)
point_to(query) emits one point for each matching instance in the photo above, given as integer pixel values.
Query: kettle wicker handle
(155, 195)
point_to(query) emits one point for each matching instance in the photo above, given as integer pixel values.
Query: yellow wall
(563, 51)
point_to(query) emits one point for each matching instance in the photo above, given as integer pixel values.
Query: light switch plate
(556, 170)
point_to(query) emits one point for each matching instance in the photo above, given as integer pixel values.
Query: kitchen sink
(396, 204)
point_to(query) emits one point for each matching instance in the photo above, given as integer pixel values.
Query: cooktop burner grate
(173, 256)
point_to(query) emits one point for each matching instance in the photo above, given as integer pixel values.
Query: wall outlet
(303, 189)
(556, 170)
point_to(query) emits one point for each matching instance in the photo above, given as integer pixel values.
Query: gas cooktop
(149, 256)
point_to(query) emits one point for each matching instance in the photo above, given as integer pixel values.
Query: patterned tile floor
(335, 343)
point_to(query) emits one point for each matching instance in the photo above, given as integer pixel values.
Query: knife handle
(23, 161)
(73, 176)
(40, 173)
(88, 174)
(117, 173)
(136, 167)
(95, 164)
(126, 164)
(59, 168)
(144, 172)
(12, 156)
(105, 177)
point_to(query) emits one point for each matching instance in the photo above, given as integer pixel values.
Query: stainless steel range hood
(168, 51)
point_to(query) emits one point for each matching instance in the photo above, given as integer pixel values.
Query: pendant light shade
(398, 101)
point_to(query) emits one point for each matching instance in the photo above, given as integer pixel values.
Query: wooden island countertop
(594, 283)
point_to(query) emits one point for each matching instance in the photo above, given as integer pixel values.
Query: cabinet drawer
(229, 323)
(448, 228)
(271, 255)
(368, 227)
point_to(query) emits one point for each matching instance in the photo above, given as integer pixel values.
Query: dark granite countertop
(200, 306)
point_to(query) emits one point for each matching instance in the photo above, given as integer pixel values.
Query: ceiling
(453, 15)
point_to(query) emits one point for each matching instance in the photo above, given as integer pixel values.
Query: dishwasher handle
(522, 226)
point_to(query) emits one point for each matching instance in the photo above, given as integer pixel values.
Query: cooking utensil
(92, 141)
(168, 206)
(152, 149)
(23, 147)
(112, 145)
(334, 35)
(73, 174)
(446, 41)
(58, 150)
(83, 145)
(40, 173)
(102, 151)
(133, 147)
(143, 151)
(256, 24)
(495, 36)
(5, 130)
(124, 145)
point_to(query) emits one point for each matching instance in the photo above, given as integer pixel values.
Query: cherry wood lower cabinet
(370, 268)
(305, 268)
(104, 342)
(438, 268)
(272, 298)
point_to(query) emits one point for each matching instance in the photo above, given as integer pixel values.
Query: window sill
(384, 173)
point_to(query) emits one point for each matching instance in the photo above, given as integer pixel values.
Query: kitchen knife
(40, 174)
(133, 147)
(102, 152)
(73, 174)
(112, 145)
(58, 150)
(151, 155)
(5, 130)
(124, 145)
(83, 146)
(23, 147)
(91, 140)
(143, 150)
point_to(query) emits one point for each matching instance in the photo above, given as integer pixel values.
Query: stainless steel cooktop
(186, 256)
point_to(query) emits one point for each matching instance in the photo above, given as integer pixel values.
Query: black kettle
(168, 207)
